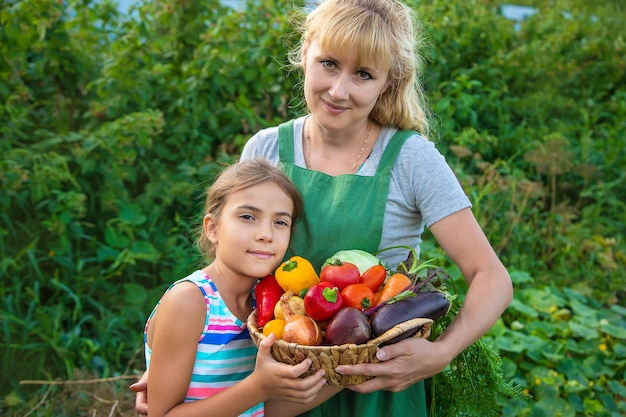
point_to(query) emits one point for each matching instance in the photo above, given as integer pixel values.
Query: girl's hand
(282, 381)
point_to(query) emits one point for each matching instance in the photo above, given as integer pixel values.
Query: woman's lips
(331, 108)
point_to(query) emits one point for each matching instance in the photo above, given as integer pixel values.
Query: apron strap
(285, 142)
(286, 147)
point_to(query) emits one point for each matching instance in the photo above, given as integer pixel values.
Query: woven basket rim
(413, 324)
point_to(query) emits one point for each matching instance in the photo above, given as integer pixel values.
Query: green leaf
(614, 331)
(520, 277)
(115, 238)
(131, 213)
(143, 249)
(617, 388)
(509, 344)
(106, 253)
(556, 407)
(593, 366)
(618, 309)
(586, 331)
(12, 399)
(520, 307)
(135, 294)
(542, 329)
(619, 349)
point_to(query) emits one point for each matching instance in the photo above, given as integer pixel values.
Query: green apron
(333, 222)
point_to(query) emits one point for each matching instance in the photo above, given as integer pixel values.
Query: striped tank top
(225, 355)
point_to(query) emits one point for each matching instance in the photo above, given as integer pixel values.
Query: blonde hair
(237, 177)
(381, 31)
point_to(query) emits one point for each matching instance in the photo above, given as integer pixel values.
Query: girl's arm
(174, 339)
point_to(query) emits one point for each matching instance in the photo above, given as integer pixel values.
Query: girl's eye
(282, 223)
(247, 217)
(363, 75)
(328, 64)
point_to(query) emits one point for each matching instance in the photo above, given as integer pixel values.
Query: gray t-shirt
(422, 191)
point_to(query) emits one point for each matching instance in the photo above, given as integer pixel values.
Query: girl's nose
(264, 232)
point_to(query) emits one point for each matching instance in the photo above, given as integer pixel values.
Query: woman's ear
(209, 225)
(385, 87)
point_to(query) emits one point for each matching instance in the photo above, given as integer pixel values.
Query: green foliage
(112, 126)
(533, 120)
(568, 351)
(477, 370)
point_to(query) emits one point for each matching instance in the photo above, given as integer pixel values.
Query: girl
(198, 350)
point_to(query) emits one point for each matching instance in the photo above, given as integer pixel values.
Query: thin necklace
(307, 158)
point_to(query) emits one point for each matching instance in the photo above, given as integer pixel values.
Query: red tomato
(341, 274)
(374, 277)
(359, 296)
(322, 301)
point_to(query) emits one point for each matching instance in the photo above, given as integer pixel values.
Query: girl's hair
(237, 177)
(384, 32)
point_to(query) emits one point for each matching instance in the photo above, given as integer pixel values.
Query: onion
(302, 330)
(288, 305)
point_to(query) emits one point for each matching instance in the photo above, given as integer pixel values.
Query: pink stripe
(203, 392)
(218, 328)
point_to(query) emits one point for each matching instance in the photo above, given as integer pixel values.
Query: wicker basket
(329, 357)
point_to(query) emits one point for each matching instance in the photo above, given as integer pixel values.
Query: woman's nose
(339, 90)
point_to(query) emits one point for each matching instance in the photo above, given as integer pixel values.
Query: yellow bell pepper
(296, 274)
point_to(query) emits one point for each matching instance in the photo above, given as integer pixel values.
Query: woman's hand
(141, 398)
(401, 365)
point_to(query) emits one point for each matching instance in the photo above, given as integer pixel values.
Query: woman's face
(340, 93)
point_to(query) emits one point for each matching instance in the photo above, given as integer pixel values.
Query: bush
(113, 125)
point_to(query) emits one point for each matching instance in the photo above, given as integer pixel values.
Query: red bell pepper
(267, 292)
(322, 301)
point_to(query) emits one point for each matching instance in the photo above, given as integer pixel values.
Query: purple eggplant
(427, 304)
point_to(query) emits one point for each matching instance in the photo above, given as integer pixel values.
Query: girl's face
(339, 92)
(252, 234)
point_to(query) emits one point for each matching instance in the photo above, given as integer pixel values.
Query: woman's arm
(490, 292)
(490, 288)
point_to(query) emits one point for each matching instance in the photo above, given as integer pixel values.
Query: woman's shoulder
(416, 148)
(264, 143)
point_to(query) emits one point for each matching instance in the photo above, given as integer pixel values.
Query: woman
(371, 180)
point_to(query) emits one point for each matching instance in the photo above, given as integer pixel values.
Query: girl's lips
(262, 254)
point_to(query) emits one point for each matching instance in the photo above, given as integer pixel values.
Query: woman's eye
(363, 75)
(328, 64)
(247, 216)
